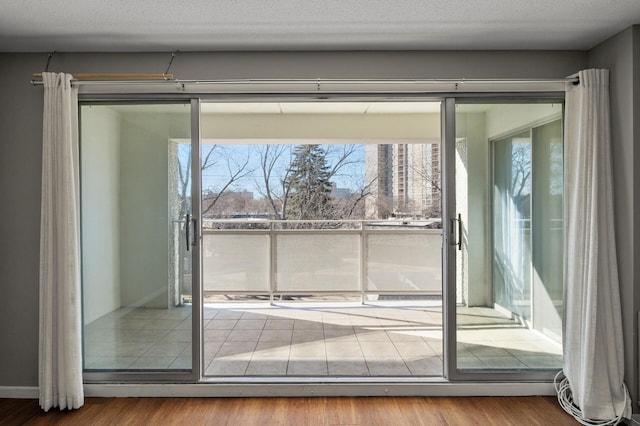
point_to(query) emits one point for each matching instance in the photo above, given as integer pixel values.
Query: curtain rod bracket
(46, 67)
(173, 56)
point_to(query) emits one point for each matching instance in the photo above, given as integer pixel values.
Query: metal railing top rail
(381, 221)
(235, 225)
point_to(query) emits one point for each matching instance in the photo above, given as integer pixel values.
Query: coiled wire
(565, 398)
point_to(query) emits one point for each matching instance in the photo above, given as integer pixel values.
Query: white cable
(565, 398)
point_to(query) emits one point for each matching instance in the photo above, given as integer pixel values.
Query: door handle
(187, 223)
(455, 232)
(459, 232)
(194, 224)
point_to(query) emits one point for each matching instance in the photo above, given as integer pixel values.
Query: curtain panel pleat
(60, 350)
(593, 343)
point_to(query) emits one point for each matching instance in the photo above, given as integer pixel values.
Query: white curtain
(593, 346)
(60, 355)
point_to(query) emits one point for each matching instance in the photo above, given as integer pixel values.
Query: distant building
(404, 180)
(226, 204)
(247, 195)
(379, 179)
(337, 192)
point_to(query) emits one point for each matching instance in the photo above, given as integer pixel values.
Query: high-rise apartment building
(404, 180)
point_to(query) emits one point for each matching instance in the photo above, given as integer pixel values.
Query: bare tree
(236, 170)
(276, 184)
(343, 155)
(520, 169)
(277, 172)
(353, 207)
(212, 155)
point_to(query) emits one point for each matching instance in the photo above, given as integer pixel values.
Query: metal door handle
(459, 232)
(195, 231)
(455, 233)
(187, 231)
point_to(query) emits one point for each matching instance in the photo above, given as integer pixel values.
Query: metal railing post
(363, 262)
(272, 262)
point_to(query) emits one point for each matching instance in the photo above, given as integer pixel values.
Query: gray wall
(621, 55)
(20, 149)
(20, 172)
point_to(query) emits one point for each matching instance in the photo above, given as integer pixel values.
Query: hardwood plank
(367, 411)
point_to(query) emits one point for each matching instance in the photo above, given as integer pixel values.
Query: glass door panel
(508, 196)
(547, 221)
(136, 262)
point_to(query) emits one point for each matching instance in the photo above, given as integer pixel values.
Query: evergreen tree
(308, 178)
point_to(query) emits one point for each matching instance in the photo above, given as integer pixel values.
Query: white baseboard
(327, 389)
(22, 392)
(295, 389)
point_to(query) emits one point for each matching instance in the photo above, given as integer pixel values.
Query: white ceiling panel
(194, 25)
(323, 107)
(403, 108)
(240, 108)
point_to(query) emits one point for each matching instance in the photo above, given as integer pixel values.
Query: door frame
(448, 138)
(197, 367)
(150, 376)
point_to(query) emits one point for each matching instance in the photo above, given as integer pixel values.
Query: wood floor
(385, 411)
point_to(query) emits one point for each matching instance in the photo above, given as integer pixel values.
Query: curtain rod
(167, 79)
(111, 77)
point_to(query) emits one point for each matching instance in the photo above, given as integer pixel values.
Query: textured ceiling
(190, 25)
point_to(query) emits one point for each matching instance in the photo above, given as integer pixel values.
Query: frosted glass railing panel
(404, 262)
(235, 262)
(317, 263)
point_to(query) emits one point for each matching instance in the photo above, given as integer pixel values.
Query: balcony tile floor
(313, 339)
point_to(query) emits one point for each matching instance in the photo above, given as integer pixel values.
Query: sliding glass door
(136, 257)
(305, 239)
(507, 227)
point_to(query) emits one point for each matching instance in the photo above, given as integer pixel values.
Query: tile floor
(340, 339)
(313, 339)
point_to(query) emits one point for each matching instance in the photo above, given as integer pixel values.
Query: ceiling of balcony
(199, 25)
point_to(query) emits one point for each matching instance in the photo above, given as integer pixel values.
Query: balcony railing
(266, 257)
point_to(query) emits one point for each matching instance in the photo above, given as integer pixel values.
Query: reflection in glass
(512, 224)
(547, 222)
